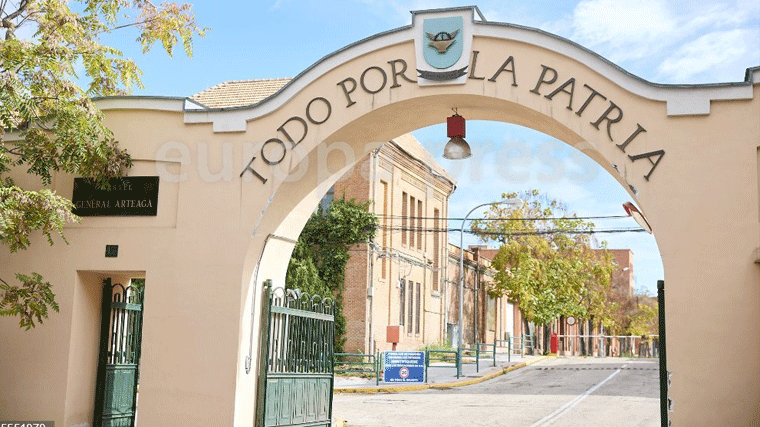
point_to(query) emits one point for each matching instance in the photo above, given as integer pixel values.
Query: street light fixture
(461, 261)
(457, 148)
(631, 210)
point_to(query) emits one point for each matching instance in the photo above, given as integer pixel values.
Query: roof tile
(239, 93)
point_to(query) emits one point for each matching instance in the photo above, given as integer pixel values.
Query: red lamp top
(455, 126)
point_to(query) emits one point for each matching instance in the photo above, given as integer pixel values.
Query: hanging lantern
(457, 148)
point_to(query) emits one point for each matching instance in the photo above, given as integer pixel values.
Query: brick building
(398, 279)
(497, 318)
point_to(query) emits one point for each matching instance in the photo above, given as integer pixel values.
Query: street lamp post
(461, 263)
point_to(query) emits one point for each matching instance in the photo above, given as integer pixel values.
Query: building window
(411, 222)
(436, 248)
(404, 221)
(491, 314)
(411, 307)
(327, 199)
(419, 307)
(384, 231)
(419, 224)
(402, 300)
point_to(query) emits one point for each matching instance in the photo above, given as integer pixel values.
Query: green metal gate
(296, 368)
(119, 357)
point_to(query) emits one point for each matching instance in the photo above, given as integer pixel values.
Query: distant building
(623, 276)
(570, 334)
(497, 318)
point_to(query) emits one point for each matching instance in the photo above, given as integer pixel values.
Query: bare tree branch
(132, 24)
(21, 8)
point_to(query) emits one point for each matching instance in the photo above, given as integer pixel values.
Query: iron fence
(360, 363)
(609, 345)
(443, 356)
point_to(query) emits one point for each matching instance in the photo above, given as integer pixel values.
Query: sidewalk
(440, 375)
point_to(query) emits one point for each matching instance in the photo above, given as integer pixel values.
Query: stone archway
(688, 154)
(675, 149)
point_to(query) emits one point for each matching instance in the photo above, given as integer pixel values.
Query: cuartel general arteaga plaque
(128, 196)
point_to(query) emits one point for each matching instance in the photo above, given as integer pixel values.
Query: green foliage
(635, 316)
(138, 284)
(48, 123)
(318, 263)
(444, 346)
(645, 320)
(545, 265)
(29, 301)
(23, 211)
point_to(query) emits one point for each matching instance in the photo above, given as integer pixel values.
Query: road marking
(569, 405)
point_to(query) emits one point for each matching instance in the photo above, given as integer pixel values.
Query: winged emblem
(442, 41)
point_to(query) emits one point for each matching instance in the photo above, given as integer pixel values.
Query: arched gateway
(237, 185)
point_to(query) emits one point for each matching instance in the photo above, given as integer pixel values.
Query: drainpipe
(445, 286)
(371, 254)
(475, 291)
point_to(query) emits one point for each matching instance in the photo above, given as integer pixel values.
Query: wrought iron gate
(119, 357)
(296, 368)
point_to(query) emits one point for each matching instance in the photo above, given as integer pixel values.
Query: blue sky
(672, 41)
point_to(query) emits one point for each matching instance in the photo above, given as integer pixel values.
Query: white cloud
(707, 52)
(278, 4)
(625, 30)
(675, 40)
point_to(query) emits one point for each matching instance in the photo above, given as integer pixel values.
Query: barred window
(419, 224)
(384, 226)
(419, 307)
(491, 314)
(411, 222)
(411, 307)
(436, 248)
(404, 221)
(402, 300)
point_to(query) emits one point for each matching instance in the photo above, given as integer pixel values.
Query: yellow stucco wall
(206, 254)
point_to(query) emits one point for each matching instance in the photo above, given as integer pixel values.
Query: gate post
(263, 351)
(663, 360)
(105, 314)
(459, 361)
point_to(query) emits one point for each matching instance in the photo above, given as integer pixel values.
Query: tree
(544, 263)
(50, 124)
(318, 263)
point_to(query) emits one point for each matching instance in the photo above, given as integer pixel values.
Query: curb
(399, 389)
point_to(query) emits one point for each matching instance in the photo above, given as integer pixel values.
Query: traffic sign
(404, 367)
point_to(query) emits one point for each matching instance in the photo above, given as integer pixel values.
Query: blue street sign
(404, 367)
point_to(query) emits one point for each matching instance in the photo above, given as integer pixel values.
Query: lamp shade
(631, 210)
(456, 149)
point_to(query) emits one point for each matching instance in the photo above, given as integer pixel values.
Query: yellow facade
(219, 233)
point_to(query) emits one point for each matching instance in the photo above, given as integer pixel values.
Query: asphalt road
(563, 392)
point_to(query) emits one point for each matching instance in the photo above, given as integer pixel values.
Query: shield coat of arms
(443, 41)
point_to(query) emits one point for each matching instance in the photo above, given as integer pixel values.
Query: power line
(502, 219)
(509, 233)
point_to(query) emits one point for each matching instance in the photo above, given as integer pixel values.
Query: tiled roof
(239, 93)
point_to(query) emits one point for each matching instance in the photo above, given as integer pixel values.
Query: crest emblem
(442, 42)
(444, 47)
